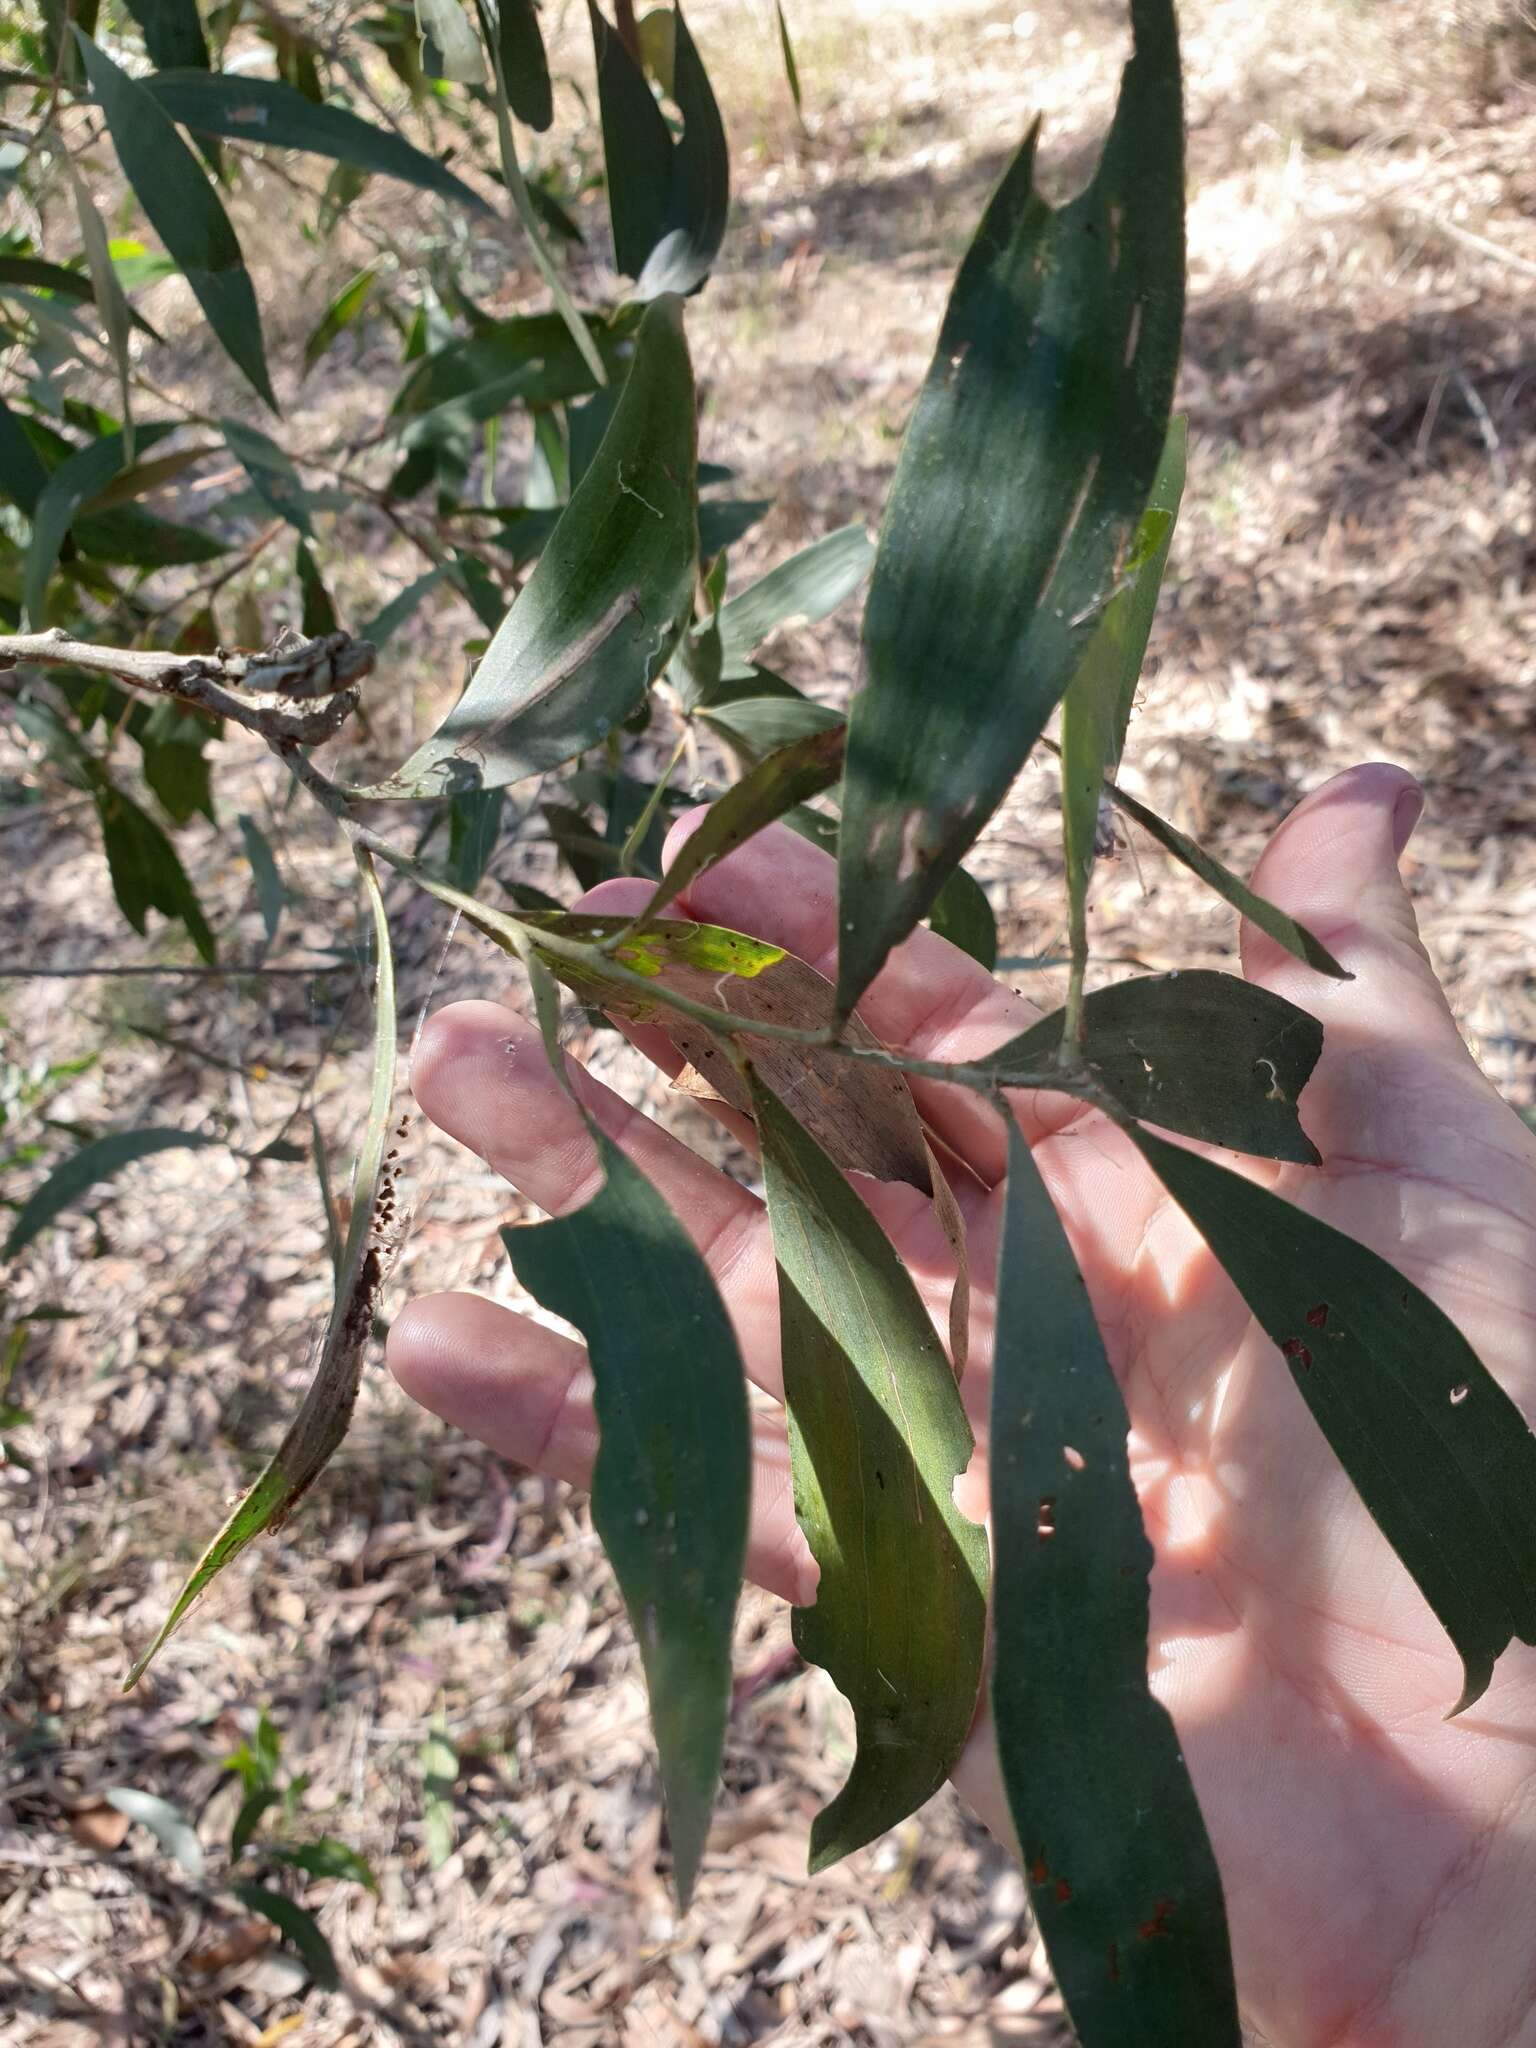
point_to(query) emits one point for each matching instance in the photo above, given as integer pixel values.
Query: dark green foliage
(670, 1488)
(1121, 1874)
(1021, 480)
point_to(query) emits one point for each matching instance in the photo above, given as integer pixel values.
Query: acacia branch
(262, 692)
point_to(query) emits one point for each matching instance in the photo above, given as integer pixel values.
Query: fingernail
(1406, 813)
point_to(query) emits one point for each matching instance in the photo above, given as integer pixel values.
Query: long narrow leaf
(877, 1439)
(272, 474)
(183, 209)
(1097, 707)
(116, 316)
(673, 1474)
(77, 480)
(808, 586)
(524, 65)
(668, 197)
(1023, 475)
(601, 613)
(322, 1420)
(94, 1163)
(1438, 1452)
(173, 35)
(1121, 1873)
(1269, 918)
(528, 216)
(277, 116)
(789, 777)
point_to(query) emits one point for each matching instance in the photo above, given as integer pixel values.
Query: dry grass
(1353, 578)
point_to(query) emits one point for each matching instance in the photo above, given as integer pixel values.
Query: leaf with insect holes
(1438, 1452)
(322, 1420)
(277, 116)
(789, 777)
(1097, 707)
(183, 209)
(1122, 1877)
(1268, 917)
(1023, 475)
(599, 616)
(1205, 1054)
(673, 1474)
(878, 1437)
(668, 197)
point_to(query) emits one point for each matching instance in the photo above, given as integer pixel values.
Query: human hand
(1376, 1858)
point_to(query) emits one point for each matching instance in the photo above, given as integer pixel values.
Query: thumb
(1333, 865)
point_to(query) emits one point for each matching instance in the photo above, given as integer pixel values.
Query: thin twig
(258, 691)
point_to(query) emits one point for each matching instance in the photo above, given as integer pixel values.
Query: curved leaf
(183, 209)
(1024, 472)
(88, 1168)
(111, 304)
(601, 613)
(673, 1474)
(322, 1420)
(1438, 1452)
(1205, 1054)
(1122, 1876)
(277, 116)
(298, 1927)
(877, 1439)
(167, 1823)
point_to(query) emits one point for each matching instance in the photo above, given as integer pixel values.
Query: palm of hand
(1366, 1845)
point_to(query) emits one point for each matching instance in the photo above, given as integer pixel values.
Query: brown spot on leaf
(1063, 1892)
(1162, 1913)
(1039, 1870)
(1297, 1353)
(1318, 1317)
